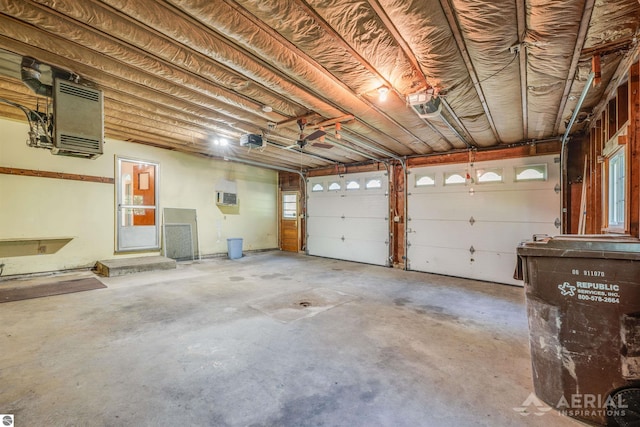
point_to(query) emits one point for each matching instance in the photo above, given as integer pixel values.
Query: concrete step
(122, 266)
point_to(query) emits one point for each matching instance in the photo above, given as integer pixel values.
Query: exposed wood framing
(397, 202)
(624, 66)
(344, 169)
(56, 175)
(485, 155)
(455, 30)
(634, 149)
(391, 28)
(617, 112)
(595, 208)
(277, 36)
(343, 43)
(539, 149)
(582, 35)
(522, 28)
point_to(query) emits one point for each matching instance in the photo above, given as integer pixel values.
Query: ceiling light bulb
(383, 92)
(224, 142)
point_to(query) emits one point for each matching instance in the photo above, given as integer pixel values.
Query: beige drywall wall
(34, 207)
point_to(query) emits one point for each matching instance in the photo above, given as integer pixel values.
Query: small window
(289, 205)
(425, 180)
(353, 184)
(317, 187)
(531, 173)
(454, 178)
(489, 175)
(334, 186)
(373, 183)
(616, 190)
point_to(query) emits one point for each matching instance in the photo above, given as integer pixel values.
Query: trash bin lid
(583, 246)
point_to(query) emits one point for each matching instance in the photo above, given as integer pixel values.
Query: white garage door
(348, 217)
(467, 220)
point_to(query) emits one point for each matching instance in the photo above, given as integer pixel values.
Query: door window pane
(289, 206)
(137, 205)
(137, 188)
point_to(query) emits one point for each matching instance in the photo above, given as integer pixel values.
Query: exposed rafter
(582, 35)
(180, 74)
(522, 29)
(397, 37)
(457, 35)
(343, 43)
(408, 53)
(319, 68)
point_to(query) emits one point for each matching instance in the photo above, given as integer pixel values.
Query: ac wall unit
(226, 199)
(78, 122)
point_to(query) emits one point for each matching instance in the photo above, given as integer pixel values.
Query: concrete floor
(225, 343)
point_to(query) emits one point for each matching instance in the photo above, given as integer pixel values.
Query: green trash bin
(583, 307)
(234, 248)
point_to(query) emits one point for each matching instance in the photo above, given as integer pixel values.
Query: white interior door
(466, 220)
(347, 217)
(137, 205)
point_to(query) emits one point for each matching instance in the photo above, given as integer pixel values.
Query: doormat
(49, 289)
(298, 305)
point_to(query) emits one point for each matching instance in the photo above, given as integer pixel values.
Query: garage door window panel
(446, 222)
(373, 184)
(531, 173)
(352, 184)
(349, 220)
(426, 180)
(489, 176)
(335, 186)
(455, 178)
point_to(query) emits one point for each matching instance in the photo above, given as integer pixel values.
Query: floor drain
(304, 304)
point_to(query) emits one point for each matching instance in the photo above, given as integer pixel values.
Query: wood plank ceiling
(183, 74)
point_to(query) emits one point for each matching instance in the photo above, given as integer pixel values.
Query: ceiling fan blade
(315, 135)
(321, 145)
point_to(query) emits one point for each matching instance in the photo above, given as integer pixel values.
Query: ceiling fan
(304, 140)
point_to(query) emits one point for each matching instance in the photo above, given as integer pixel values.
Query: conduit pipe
(263, 165)
(403, 162)
(563, 156)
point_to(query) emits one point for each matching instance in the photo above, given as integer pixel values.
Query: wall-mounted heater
(78, 120)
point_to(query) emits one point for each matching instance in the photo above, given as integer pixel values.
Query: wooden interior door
(290, 221)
